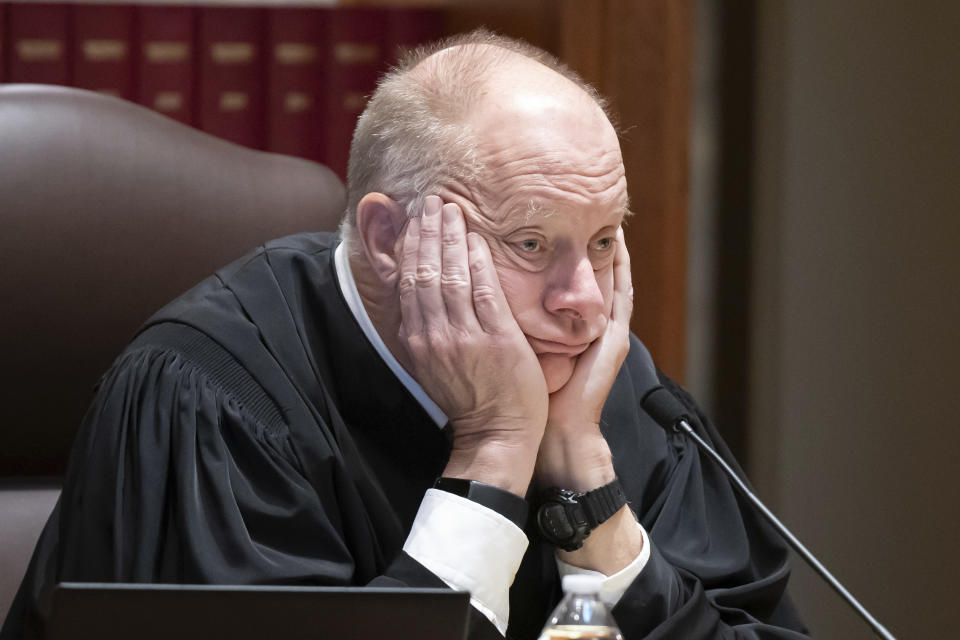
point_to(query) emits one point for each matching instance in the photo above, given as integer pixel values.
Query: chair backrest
(107, 211)
(25, 505)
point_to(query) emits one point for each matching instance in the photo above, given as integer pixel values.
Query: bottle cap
(580, 583)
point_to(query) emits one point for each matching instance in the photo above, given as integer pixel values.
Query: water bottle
(581, 615)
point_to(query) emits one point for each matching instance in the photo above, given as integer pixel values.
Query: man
(286, 420)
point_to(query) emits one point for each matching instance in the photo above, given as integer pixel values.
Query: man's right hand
(468, 352)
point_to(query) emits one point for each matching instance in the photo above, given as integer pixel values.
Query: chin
(557, 370)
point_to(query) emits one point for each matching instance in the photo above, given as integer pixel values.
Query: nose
(573, 290)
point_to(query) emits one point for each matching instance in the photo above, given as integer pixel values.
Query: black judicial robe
(251, 435)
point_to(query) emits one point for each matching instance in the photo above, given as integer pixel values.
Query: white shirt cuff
(471, 548)
(615, 585)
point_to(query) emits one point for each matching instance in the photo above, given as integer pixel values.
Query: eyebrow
(536, 210)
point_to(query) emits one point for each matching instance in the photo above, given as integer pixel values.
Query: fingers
(455, 280)
(447, 277)
(622, 283)
(412, 323)
(429, 265)
(489, 303)
(435, 284)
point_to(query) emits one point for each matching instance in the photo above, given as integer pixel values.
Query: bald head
(422, 127)
(457, 74)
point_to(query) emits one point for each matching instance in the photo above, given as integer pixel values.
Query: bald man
(425, 398)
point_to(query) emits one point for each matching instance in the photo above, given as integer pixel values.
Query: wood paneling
(638, 54)
(535, 21)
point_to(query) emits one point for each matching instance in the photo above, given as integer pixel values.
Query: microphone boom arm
(684, 426)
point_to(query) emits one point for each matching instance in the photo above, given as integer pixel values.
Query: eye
(604, 244)
(602, 252)
(529, 246)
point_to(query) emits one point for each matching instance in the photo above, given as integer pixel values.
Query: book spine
(38, 43)
(101, 54)
(165, 75)
(356, 56)
(231, 74)
(408, 28)
(297, 78)
(3, 41)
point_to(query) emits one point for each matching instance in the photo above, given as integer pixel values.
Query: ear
(380, 221)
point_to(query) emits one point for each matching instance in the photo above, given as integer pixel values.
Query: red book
(356, 56)
(38, 43)
(231, 74)
(296, 103)
(3, 42)
(409, 28)
(165, 61)
(102, 49)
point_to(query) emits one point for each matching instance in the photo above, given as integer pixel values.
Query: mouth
(547, 347)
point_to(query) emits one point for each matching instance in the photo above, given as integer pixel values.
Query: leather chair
(25, 505)
(108, 211)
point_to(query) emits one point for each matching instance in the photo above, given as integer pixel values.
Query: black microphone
(673, 415)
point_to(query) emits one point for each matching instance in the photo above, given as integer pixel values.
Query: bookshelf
(637, 53)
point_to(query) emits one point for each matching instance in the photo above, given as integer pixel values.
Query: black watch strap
(507, 504)
(602, 502)
(565, 517)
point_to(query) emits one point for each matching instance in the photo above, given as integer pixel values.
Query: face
(552, 196)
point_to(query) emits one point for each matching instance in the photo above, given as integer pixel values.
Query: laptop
(106, 611)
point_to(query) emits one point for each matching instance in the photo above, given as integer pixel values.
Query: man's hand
(573, 453)
(467, 350)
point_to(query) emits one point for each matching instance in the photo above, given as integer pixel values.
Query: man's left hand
(573, 452)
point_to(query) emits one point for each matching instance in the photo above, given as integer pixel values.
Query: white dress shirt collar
(349, 289)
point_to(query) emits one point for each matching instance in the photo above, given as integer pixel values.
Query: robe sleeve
(716, 570)
(172, 480)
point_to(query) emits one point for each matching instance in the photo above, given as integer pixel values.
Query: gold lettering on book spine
(166, 52)
(34, 50)
(356, 52)
(104, 50)
(167, 101)
(296, 102)
(231, 101)
(294, 53)
(232, 52)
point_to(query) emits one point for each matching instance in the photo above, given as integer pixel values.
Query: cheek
(523, 291)
(605, 282)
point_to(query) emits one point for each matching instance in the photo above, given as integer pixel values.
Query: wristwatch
(509, 505)
(565, 518)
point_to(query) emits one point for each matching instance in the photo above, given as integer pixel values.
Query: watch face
(553, 519)
(561, 520)
(565, 518)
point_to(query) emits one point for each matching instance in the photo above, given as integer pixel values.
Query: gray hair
(412, 139)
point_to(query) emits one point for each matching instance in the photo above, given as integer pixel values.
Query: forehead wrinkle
(529, 210)
(551, 161)
(561, 174)
(534, 199)
(520, 184)
(553, 170)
